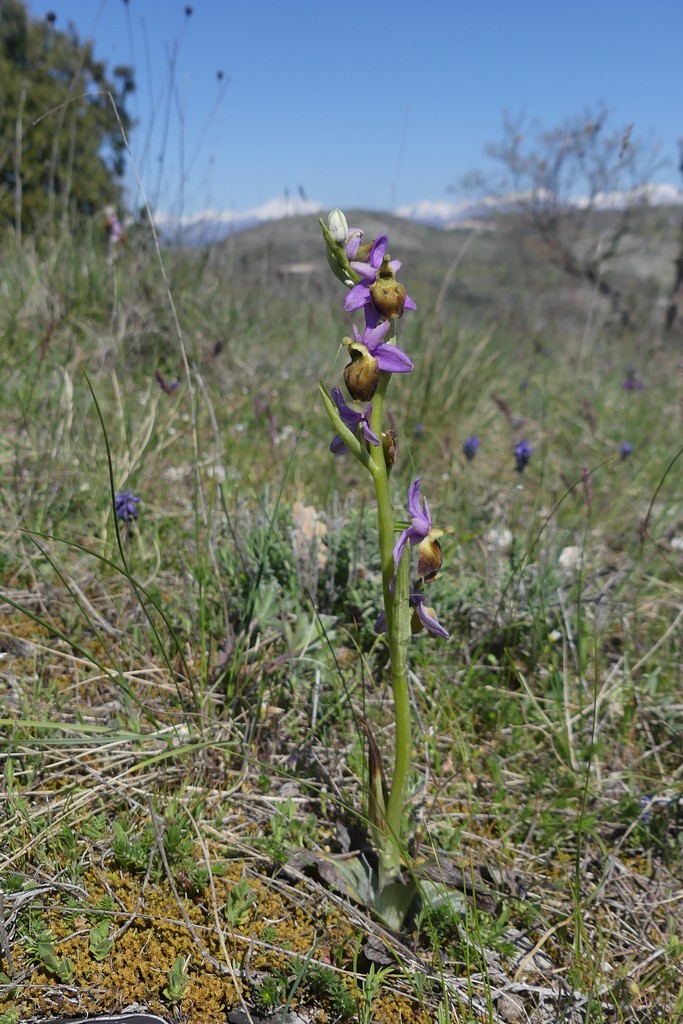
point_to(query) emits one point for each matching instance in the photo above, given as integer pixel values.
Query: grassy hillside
(182, 694)
(494, 271)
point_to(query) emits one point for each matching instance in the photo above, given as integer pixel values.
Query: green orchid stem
(396, 607)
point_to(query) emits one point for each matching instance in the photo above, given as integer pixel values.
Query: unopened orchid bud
(390, 447)
(361, 375)
(336, 254)
(337, 226)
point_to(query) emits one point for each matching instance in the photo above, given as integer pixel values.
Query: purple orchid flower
(352, 420)
(421, 524)
(389, 357)
(424, 617)
(422, 533)
(361, 295)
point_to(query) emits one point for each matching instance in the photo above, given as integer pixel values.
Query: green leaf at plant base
(392, 903)
(350, 875)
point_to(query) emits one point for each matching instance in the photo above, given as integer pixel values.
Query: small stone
(510, 1010)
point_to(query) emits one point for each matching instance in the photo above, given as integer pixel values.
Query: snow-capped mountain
(210, 226)
(457, 214)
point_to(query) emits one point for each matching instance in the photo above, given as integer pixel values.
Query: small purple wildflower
(470, 447)
(632, 383)
(126, 505)
(523, 452)
(424, 617)
(113, 228)
(625, 449)
(352, 420)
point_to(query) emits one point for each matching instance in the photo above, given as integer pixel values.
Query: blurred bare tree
(673, 322)
(572, 190)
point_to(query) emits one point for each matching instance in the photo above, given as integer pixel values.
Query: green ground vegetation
(181, 698)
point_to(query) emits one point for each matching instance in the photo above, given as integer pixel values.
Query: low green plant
(140, 853)
(324, 982)
(269, 994)
(40, 949)
(177, 981)
(370, 988)
(100, 944)
(288, 829)
(104, 907)
(240, 900)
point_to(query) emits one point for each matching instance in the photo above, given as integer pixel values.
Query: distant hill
(474, 275)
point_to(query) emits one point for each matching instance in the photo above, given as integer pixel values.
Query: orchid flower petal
(430, 623)
(357, 297)
(392, 359)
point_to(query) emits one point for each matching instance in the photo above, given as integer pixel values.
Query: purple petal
(351, 418)
(381, 623)
(368, 434)
(353, 242)
(400, 544)
(431, 624)
(392, 359)
(414, 497)
(357, 297)
(366, 271)
(409, 303)
(337, 446)
(372, 317)
(373, 336)
(378, 249)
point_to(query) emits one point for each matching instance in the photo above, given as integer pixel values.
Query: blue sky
(386, 105)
